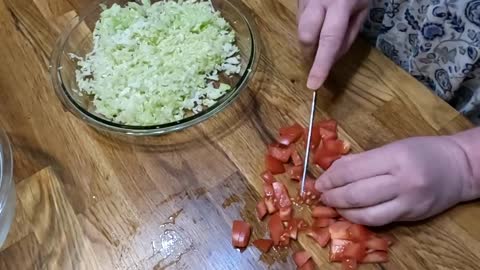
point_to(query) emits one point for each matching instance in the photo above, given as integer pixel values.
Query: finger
(364, 193)
(309, 26)
(377, 215)
(356, 24)
(331, 38)
(355, 167)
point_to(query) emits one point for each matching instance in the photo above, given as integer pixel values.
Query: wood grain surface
(88, 200)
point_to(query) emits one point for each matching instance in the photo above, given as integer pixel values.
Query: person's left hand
(407, 180)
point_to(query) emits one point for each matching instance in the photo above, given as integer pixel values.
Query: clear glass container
(7, 187)
(77, 38)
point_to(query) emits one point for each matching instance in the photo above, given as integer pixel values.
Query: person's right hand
(326, 30)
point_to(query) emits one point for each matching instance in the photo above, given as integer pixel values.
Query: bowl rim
(6, 167)
(103, 124)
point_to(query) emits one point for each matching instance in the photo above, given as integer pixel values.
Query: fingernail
(314, 83)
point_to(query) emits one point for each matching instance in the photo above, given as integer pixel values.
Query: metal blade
(309, 139)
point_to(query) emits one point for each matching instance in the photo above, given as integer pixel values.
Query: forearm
(469, 141)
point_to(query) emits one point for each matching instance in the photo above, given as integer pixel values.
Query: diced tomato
(333, 146)
(346, 147)
(281, 194)
(285, 213)
(355, 251)
(309, 265)
(315, 139)
(264, 245)
(376, 257)
(271, 207)
(322, 222)
(292, 228)
(284, 239)
(328, 124)
(280, 152)
(339, 230)
(240, 233)
(275, 227)
(377, 243)
(358, 233)
(268, 177)
(296, 158)
(327, 153)
(327, 134)
(291, 134)
(268, 190)
(274, 165)
(321, 235)
(310, 187)
(389, 238)
(349, 264)
(261, 209)
(324, 212)
(301, 224)
(325, 162)
(337, 248)
(295, 172)
(301, 257)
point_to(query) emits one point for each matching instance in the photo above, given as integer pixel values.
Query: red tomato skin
(376, 257)
(276, 229)
(280, 152)
(240, 233)
(301, 257)
(321, 235)
(274, 165)
(268, 177)
(315, 139)
(326, 134)
(261, 209)
(328, 124)
(334, 146)
(324, 212)
(264, 245)
(291, 134)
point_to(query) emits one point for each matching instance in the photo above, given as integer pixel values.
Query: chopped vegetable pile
(349, 243)
(153, 63)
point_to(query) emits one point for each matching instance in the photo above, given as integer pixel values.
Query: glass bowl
(7, 187)
(77, 39)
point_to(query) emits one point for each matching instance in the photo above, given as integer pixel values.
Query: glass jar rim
(6, 167)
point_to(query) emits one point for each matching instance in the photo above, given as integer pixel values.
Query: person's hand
(328, 27)
(408, 180)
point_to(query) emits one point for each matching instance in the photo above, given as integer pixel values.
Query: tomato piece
(337, 248)
(280, 152)
(346, 147)
(268, 190)
(261, 209)
(274, 165)
(301, 224)
(322, 222)
(324, 212)
(309, 265)
(315, 139)
(281, 194)
(295, 172)
(356, 251)
(328, 124)
(240, 233)
(325, 162)
(377, 243)
(389, 238)
(291, 134)
(349, 264)
(327, 134)
(334, 146)
(284, 239)
(301, 257)
(285, 213)
(358, 233)
(321, 235)
(376, 257)
(327, 153)
(292, 228)
(339, 230)
(264, 245)
(310, 187)
(276, 229)
(268, 177)
(270, 203)
(296, 158)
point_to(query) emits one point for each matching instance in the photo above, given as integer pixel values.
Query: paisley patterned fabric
(436, 41)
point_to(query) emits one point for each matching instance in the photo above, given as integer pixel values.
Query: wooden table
(87, 200)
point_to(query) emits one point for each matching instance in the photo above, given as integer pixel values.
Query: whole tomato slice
(261, 209)
(268, 177)
(324, 212)
(295, 172)
(275, 226)
(281, 195)
(264, 245)
(327, 134)
(376, 257)
(291, 134)
(280, 152)
(240, 233)
(359, 233)
(321, 235)
(301, 257)
(274, 165)
(349, 264)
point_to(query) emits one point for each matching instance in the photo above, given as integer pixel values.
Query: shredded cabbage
(152, 63)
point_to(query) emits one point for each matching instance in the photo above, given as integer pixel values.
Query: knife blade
(309, 139)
